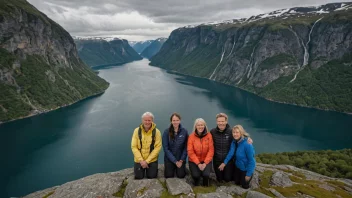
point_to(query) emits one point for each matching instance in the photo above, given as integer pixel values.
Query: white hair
(199, 120)
(148, 114)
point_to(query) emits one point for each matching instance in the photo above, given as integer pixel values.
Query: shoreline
(268, 99)
(51, 110)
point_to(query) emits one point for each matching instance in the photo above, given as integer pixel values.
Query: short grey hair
(148, 114)
(199, 120)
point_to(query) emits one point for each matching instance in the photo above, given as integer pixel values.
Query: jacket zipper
(201, 152)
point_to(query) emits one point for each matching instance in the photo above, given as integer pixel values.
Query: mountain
(39, 65)
(105, 51)
(140, 45)
(300, 56)
(153, 48)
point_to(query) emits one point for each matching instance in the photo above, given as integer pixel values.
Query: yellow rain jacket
(144, 153)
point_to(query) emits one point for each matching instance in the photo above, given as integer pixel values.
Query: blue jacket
(176, 149)
(245, 160)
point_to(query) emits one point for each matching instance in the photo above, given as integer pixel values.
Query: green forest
(326, 162)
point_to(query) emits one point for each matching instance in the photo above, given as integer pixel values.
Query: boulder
(178, 186)
(280, 179)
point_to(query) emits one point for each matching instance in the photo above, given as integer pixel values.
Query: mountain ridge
(301, 61)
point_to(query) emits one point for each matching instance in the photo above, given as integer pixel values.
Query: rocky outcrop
(177, 186)
(300, 55)
(40, 69)
(98, 52)
(122, 184)
(280, 179)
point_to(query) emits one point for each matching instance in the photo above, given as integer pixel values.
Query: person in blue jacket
(243, 154)
(175, 148)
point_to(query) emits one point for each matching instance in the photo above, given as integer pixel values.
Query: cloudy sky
(137, 20)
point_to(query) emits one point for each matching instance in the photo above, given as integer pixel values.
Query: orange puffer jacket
(200, 148)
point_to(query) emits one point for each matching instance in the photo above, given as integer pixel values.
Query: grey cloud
(92, 17)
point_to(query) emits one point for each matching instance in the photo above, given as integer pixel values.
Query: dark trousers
(225, 175)
(171, 168)
(152, 171)
(239, 177)
(197, 173)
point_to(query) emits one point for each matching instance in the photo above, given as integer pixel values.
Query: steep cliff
(39, 66)
(299, 56)
(101, 52)
(153, 48)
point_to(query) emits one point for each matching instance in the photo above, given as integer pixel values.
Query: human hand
(250, 141)
(222, 166)
(179, 164)
(203, 166)
(200, 166)
(144, 164)
(247, 178)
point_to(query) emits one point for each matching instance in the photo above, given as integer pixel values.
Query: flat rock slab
(146, 188)
(276, 193)
(255, 194)
(280, 179)
(232, 190)
(41, 193)
(326, 187)
(178, 186)
(214, 195)
(102, 184)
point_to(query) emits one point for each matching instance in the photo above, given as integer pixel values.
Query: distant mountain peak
(285, 13)
(96, 38)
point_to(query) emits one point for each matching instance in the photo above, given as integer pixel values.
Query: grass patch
(295, 173)
(49, 194)
(311, 189)
(204, 189)
(122, 190)
(265, 178)
(337, 183)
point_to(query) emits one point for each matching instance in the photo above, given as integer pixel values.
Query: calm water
(94, 135)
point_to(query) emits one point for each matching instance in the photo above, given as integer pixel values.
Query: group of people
(228, 150)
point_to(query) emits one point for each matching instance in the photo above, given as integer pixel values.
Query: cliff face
(267, 181)
(39, 66)
(153, 48)
(299, 55)
(96, 52)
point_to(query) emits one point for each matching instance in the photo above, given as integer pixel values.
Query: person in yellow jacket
(146, 145)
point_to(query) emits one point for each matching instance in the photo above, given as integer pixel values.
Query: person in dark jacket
(175, 148)
(244, 157)
(222, 137)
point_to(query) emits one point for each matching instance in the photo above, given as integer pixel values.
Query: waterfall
(234, 43)
(306, 53)
(222, 56)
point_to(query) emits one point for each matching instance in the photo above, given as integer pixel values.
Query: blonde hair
(241, 130)
(221, 115)
(199, 120)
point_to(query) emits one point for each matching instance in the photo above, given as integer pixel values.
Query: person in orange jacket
(200, 150)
